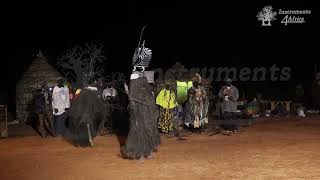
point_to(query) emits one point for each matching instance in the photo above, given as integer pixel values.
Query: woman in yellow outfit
(166, 99)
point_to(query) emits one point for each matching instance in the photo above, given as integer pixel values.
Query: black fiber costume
(143, 137)
(87, 109)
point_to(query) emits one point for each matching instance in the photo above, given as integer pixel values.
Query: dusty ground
(270, 149)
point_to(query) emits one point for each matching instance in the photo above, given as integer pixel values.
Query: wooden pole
(4, 117)
(6, 122)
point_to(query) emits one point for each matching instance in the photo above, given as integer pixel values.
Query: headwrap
(196, 78)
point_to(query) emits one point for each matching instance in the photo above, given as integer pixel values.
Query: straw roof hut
(39, 70)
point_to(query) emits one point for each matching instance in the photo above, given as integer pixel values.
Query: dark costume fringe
(87, 109)
(143, 137)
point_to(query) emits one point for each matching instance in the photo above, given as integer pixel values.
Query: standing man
(229, 95)
(60, 104)
(43, 108)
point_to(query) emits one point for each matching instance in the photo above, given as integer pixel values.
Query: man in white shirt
(60, 104)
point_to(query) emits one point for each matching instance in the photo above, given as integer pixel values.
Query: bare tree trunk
(79, 75)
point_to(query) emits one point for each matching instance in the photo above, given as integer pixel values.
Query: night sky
(196, 34)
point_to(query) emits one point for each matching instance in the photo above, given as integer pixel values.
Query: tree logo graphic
(266, 16)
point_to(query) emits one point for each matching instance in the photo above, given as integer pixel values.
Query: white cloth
(134, 76)
(60, 99)
(92, 88)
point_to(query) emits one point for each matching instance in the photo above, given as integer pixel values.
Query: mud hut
(39, 70)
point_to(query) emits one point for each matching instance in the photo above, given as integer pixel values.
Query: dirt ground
(283, 148)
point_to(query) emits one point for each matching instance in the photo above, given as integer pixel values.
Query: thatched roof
(39, 70)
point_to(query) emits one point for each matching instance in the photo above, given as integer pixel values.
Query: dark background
(194, 33)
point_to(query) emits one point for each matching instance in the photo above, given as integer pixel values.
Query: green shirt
(182, 91)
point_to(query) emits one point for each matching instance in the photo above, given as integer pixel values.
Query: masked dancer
(143, 137)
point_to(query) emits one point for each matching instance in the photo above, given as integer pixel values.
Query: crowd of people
(63, 111)
(79, 114)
